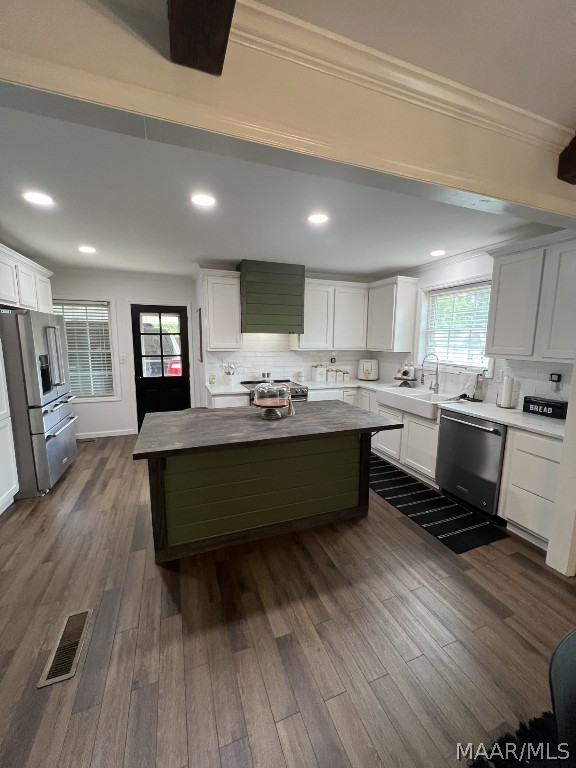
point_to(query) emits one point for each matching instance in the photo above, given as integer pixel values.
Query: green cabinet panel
(272, 297)
(222, 492)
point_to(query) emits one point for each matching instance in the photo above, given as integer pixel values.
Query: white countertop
(512, 417)
(238, 389)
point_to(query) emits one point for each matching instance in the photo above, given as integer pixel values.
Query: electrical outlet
(499, 376)
(123, 359)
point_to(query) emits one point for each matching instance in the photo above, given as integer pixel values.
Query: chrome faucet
(434, 387)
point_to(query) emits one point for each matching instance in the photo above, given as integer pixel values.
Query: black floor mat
(452, 524)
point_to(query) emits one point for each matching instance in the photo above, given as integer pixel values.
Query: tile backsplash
(263, 353)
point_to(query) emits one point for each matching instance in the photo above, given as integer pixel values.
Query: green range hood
(272, 297)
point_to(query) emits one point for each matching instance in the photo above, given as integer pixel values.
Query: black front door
(161, 359)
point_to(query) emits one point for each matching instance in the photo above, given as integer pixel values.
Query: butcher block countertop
(177, 432)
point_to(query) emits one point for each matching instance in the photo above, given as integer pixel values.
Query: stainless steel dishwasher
(470, 452)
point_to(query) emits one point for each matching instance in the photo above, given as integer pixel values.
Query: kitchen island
(225, 476)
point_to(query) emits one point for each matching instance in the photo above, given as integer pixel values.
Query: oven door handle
(470, 424)
(59, 432)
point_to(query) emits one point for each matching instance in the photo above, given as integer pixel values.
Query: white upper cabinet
(8, 280)
(532, 308)
(23, 283)
(514, 301)
(27, 287)
(318, 317)
(556, 333)
(222, 303)
(335, 316)
(350, 314)
(43, 294)
(391, 315)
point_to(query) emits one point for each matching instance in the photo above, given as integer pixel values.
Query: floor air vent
(64, 660)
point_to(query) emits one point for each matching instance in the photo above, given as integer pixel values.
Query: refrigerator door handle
(55, 354)
(59, 432)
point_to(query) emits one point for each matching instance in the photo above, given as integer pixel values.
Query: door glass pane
(151, 367)
(149, 323)
(172, 366)
(170, 323)
(170, 344)
(150, 344)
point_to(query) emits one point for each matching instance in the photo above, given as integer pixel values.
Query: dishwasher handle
(470, 424)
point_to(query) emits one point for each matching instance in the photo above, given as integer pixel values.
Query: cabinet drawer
(534, 474)
(546, 447)
(230, 401)
(528, 510)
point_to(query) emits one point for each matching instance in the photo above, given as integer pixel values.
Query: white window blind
(457, 322)
(89, 354)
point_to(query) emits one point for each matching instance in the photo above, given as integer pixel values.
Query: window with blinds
(89, 354)
(457, 323)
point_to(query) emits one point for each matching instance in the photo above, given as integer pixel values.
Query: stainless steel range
(298, 392)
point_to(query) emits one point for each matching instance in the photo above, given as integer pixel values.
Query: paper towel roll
(507, 392)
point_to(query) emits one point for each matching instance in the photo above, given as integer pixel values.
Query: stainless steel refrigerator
(43, 422)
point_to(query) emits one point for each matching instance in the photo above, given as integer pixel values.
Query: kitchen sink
(420, 402)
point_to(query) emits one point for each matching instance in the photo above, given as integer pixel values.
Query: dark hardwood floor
(365, 643)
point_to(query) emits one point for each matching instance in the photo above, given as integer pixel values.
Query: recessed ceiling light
(37, 198)
(318, 218)
(87, 249)
(203, 200)
(437, 253)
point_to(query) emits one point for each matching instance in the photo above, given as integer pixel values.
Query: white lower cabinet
(228, 401)
(419, 445)
(389, 441)
(8, 473)
(529, 481)
(363, 399)
(315, 395)
(350, 396)
(415, 446)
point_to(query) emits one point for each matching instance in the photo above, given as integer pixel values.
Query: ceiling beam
(199, 31)
(567, 163)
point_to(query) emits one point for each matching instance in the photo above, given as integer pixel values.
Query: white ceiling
(129, 197)
(519, 51)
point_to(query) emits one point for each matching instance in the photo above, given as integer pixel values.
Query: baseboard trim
(106, 433)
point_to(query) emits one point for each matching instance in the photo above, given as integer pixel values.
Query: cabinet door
(44, 294)
(381, 310)
(556, 336)
(318, 317)
(350, 318)
(363, 400)
(8, 473)
(349, 396)
(27, 287)
(315, 395)
(514, 304)
(389, 441)
(223, 320)
(8, 281)
(420, 445)
(4, 404)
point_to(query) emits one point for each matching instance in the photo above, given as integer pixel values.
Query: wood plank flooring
(358, 644)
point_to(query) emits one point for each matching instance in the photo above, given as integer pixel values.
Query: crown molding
(287, 37)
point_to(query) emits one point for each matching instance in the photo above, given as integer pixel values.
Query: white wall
(117, 416)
